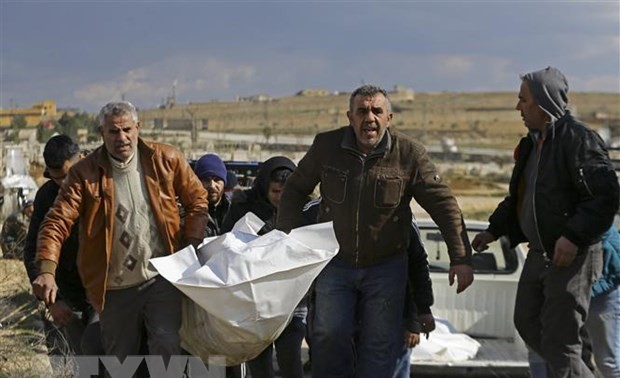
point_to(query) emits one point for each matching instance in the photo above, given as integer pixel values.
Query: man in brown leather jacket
(368, 176)
(124, 195)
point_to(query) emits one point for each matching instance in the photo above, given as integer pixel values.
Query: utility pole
(194, 132)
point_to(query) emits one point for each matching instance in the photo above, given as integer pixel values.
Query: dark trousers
(288, 353)
(154, 306)
(90, 344)
(80, 336)
(551, 308)
(236, 371)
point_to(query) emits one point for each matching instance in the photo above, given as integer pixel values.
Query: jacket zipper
(585, 183)
(539, 154)
(357, 213)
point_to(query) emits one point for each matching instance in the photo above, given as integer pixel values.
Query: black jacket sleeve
(42, 202)
(419, 297)
(503, 220)
(238, 208)
(597, 187)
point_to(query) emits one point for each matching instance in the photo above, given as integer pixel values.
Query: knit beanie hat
(210, 165)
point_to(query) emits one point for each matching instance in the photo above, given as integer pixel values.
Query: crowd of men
(100, 218)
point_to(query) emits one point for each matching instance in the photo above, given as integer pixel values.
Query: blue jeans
(371, 298)
(288, 352)
(403, 364)
(603, 325)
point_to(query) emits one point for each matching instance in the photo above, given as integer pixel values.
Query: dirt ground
(22, 347)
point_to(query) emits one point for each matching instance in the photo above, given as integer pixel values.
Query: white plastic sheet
(243, 287)
(445, 345)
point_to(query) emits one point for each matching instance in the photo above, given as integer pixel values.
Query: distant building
(402, 92)
(313, 92)
(180, 123)
(398, 93)
(256, 98)
(34, 115)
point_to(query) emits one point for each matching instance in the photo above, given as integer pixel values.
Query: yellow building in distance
(38, 112)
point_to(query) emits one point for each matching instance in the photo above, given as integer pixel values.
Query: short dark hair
(58, 150)
(280, 175)
(369, 90)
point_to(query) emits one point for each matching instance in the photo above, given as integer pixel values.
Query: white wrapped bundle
(247, 286)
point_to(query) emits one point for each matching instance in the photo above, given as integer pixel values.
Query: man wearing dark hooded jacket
(563, 196)
(259, 198)
(263, 200)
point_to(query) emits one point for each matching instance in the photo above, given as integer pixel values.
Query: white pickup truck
(484, 311)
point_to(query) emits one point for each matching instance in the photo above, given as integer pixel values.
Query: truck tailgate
(496, 357)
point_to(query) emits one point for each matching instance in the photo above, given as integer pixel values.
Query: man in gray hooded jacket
(563, 196)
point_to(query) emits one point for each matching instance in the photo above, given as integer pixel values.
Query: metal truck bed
(496, 358)
(484, 311)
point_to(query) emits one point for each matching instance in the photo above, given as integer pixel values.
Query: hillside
(471, 118)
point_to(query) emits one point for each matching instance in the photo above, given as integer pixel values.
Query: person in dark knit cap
(212, 172)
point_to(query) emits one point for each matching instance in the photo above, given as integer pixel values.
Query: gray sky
(85, 53)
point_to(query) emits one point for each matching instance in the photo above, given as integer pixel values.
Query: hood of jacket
(550, 90)
(261, 184)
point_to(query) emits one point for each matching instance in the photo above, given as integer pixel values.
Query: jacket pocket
(388, 191)
(334, 184)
